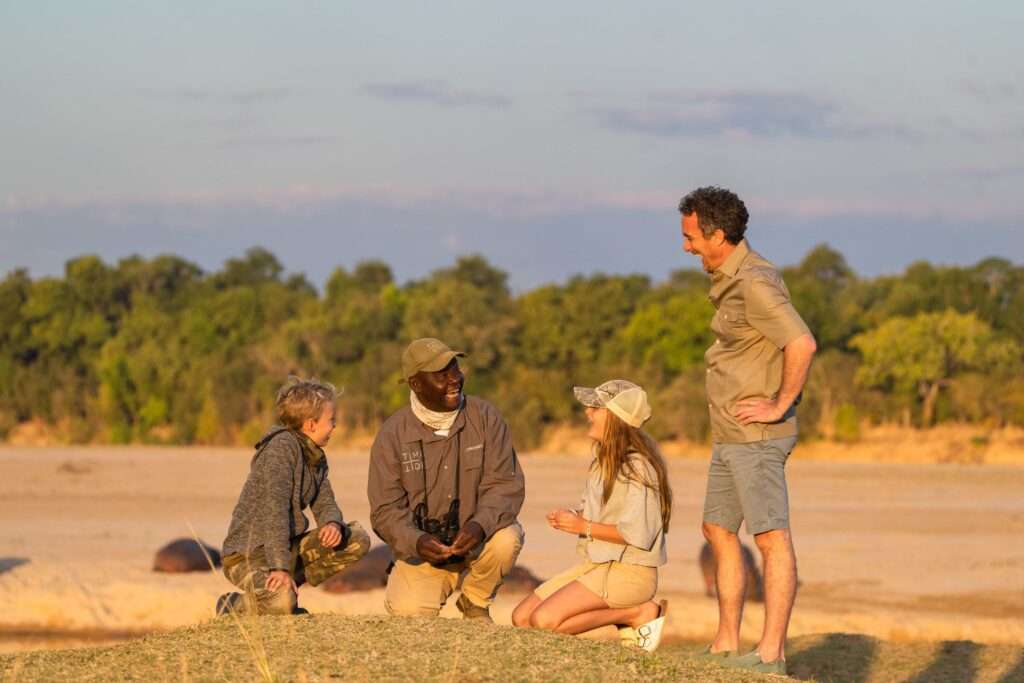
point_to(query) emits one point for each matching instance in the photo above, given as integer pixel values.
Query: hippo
(185, 555)
(755, 584)
(371, 572)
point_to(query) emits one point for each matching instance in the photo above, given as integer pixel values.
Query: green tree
(923, 353)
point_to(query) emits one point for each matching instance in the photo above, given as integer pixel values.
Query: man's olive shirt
(754, 321)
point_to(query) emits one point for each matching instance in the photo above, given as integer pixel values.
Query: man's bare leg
(731, 577)
(776, 548)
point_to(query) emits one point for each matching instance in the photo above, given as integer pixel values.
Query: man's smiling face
(439, 391)
(711, 250)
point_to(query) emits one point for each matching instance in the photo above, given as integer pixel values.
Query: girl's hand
(566, 520)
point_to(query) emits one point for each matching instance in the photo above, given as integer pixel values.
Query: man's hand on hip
(758, 410)
(431, 549)
(469, 537)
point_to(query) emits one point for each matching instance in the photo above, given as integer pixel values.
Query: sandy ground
(899, 552)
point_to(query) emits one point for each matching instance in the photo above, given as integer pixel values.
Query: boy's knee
(358, 542)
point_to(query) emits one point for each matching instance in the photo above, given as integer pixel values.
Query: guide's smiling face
(440, 391)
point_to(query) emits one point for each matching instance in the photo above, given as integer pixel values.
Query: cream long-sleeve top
(634, 509)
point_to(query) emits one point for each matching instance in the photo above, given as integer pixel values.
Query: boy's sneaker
(752, 662)
(299, 611)
(227, 603)
(472, 611)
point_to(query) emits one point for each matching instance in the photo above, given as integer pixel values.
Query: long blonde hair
(621, 440)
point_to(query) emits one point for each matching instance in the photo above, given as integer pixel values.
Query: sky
(553, 138)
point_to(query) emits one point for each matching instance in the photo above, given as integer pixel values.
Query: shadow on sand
(843, 657)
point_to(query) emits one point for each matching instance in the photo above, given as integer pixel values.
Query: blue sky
(554, 138)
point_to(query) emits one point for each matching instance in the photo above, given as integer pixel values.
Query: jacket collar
(732, 264)
(310, 450)
(312, 453)
(411, 429)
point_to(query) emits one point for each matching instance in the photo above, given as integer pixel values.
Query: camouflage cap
(426, 355)
(626, 400)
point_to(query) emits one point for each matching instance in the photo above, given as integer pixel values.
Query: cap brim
(441, 361)
(588, 397)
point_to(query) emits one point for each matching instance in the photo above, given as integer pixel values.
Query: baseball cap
(426, 355)
(626, 400)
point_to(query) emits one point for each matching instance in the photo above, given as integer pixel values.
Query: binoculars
(445, 529)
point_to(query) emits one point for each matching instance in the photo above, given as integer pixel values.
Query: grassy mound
(333, 647)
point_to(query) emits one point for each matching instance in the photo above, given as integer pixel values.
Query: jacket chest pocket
(472, 465)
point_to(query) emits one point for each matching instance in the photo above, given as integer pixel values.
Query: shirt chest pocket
(731, 322)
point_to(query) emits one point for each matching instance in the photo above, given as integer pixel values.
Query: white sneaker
(648, 636)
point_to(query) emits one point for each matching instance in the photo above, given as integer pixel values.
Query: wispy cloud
(242, 96)
(753, 114)
(995, 92)
(276, 141)
(529, 203)
(438, 93)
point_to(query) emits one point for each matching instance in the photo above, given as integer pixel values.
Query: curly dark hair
(717, 209)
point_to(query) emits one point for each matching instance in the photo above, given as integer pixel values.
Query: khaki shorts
(620, 585)
(747, 483)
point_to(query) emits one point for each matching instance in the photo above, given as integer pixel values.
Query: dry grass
(333, 647)
(319, 648)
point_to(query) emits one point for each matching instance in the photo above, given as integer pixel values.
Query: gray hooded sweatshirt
(287, 474)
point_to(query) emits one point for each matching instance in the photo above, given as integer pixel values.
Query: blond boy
(268, 552)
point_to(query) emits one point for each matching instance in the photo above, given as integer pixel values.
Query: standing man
(445, 489)
(756, 370)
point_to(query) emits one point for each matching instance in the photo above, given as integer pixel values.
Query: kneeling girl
(627, 504)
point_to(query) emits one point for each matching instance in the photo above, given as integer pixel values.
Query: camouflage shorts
(312, 563)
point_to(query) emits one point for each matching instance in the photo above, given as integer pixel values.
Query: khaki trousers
(417, 588)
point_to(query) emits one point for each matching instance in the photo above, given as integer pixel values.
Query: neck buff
(439, 422)
(310, 449)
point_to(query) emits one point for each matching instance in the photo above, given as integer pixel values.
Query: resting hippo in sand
(370, 573)
(185, 555)
(755, 585)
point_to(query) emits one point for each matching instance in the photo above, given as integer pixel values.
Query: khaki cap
(426, 355)
(626, 400)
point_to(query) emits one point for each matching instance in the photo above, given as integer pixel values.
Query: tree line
(159, 351)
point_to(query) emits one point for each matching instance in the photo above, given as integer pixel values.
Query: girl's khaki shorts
(620, 585)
